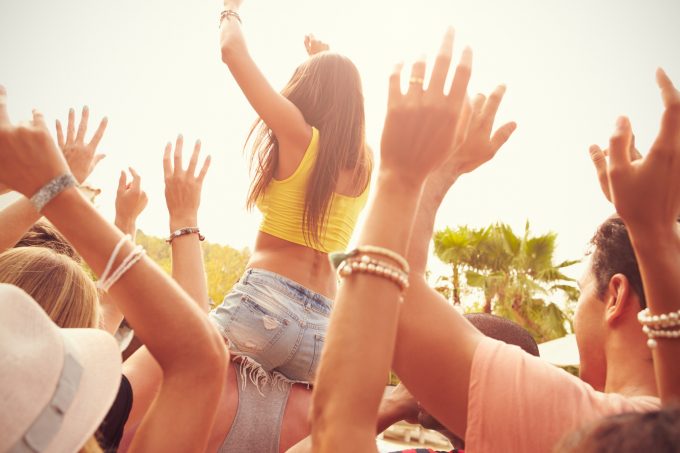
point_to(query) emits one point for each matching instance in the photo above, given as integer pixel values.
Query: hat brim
(99, 354)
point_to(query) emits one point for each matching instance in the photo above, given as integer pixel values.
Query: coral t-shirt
(520, 403)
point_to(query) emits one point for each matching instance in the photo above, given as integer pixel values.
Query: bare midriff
(306, 266)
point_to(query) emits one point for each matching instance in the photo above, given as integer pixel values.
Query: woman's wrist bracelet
(659, 326)
(367, 265)
(228, 14)
(50, 190)
(338, 258)
(184, 231)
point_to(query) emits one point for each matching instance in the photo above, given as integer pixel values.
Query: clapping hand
(81, 156)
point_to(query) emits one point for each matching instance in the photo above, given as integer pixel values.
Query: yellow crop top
(283, 204)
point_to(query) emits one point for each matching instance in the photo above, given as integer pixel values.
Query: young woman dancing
(311, 177)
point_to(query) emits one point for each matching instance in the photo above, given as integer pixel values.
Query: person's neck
(630, 370)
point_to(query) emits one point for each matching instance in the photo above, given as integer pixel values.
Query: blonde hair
(61, 287)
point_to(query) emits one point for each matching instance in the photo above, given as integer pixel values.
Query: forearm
(187, 263)
(658, 255)
(16, 219)
(369, 304)
(143, 293)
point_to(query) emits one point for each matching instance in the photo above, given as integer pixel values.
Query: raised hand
(183, 187)
(646, 191)
(599, 158)
(474, 143)
(130, 202)
(81, 156)
(314, 46)
(29, 156)
(418, 129)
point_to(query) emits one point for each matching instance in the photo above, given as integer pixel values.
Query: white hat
(56, 385)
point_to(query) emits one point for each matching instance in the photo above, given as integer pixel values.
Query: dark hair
(613, 254)
(657, 431)
(503, 330)
(44, 234)
(327, 90)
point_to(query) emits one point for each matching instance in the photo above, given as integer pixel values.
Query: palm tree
(457, 248)
(514, 273)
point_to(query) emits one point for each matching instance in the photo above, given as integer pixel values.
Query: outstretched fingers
(492, 104)
(71, 126)
(194, 158)
(178, 153)
(204, 169)
(167, 163)
(99, 133)
(395, 94)
(669, 94)
(442, 63)
(82, 127)
(502, 135)
(461, 80)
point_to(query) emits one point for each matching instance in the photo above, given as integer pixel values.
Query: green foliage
(514, 273)
(223, 264)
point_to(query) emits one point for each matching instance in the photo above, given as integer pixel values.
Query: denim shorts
(275, 324)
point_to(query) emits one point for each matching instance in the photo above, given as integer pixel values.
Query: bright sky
(153, 67)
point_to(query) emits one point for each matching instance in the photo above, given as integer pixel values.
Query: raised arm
(278, 113)
(82, 158)
(183, 197)
(130, 202)
(646, 194)
(188, 349)
(427, 322)
(362, 331)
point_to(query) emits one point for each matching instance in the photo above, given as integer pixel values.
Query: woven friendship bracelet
(52, 189)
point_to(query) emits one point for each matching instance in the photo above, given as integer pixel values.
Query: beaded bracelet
(671, 319)
(366, 264)
(184, 231)
(653, 334)
(338, 258)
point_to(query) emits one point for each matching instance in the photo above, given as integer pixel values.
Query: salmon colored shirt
(520, 403)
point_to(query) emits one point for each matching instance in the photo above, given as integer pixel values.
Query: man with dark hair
(612, 254)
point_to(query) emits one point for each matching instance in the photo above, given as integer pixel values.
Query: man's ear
(619, 297)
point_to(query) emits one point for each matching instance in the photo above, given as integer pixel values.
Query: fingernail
(621, 122)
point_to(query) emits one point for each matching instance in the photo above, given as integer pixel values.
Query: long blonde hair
(61, 287)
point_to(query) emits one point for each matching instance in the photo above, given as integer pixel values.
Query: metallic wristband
(52, 189)
(184, 231)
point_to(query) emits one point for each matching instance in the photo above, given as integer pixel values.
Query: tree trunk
(487, 302)
(456, 285)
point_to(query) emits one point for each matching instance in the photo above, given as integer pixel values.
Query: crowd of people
(295, 357)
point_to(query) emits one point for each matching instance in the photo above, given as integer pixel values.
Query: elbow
(232, 48)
